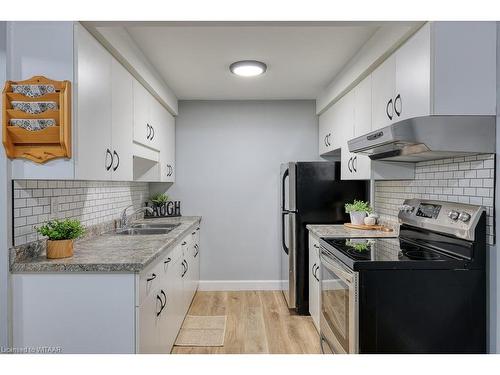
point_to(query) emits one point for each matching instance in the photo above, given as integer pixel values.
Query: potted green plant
(61, 235)
(358, 210)
(159, 201)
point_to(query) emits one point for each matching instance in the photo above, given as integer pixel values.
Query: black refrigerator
(311, 193)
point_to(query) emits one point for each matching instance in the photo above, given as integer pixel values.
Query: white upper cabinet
(445, 68)
(413, 77)
(147, 118)
(142, 130)
(167, 154)
(122, 118)
(383, 88)
(326, 135)
(94, 155)
(360, 165)
(363, 107)
(116, 120)
(104, 114)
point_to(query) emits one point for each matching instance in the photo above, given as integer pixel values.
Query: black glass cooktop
(385, 252)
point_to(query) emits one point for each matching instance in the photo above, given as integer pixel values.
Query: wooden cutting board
(368, 227)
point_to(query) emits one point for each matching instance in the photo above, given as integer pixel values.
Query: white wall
(5, 211)
(228, 161)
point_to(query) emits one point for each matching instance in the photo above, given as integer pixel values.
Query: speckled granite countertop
(341, 231)
(110, 252)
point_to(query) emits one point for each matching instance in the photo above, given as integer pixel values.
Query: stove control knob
(453, 215)
(406, 208)
(464, 216)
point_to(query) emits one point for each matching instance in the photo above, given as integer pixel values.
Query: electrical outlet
(54, 208)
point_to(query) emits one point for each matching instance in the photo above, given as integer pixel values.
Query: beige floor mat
(202, 331)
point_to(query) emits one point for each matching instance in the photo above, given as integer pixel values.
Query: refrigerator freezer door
(288, 197)
(288, 261)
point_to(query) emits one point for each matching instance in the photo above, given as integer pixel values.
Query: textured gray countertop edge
(341, 231)
(113, 253)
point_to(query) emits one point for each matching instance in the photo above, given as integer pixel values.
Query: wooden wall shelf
(43, 145)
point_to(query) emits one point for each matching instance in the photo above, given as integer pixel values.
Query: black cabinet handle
(389, 104)
(187, 265)
(153, 276)
(168, 260)
(316, 273)
(316, 246)
(153, 134)
(349, 164)
(353, 165)
(108, 152)
(184, 265)
(193, 233)
(198, 228)
(161, 305)
(118, 160)
(326, 143)
(312, 269)
(149, 131)
(197, 250)
(328, 139)
(398, 98)
(164, 296)
(184, 243)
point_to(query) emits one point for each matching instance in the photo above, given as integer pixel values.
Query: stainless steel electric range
(423, 292)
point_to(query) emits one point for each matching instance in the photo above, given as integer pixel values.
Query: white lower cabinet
(107, 312)
(178, 275)
(314, 277)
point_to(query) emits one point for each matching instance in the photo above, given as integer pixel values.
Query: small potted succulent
(61, 235)
(358, 211)
(159, 201)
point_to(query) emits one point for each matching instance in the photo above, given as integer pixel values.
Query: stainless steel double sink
(146, 229)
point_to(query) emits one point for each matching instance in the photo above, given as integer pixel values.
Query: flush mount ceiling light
(248, 68)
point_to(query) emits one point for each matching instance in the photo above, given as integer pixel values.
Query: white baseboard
(235, 285)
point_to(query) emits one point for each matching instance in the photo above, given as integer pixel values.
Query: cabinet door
(383, 87)
(314, 267)
(344, 127)
(170, 319)
(149, 324)
(359, 166)
(413, 76)
(167, 147)
(142, 130)
(156, 121)
(363, 107)
(324, 128)
(122, 120)
(94, 149)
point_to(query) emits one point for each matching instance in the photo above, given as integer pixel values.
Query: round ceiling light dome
(248, 68)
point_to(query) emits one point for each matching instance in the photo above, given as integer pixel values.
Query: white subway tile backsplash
(468, 179)
(92, 202)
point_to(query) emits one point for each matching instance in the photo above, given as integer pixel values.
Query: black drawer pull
(153, 276)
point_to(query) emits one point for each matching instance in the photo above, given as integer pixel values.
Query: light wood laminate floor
(257, 322)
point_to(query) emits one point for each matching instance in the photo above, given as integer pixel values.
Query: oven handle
(334, 266)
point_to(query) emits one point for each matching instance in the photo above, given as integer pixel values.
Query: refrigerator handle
(283, 232)
(283, 187)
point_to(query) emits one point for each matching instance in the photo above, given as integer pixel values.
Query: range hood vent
(428, 138)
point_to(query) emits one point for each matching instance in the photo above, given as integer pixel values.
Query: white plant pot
(357, 218)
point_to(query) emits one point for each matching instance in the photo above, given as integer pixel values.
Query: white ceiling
(194, 59)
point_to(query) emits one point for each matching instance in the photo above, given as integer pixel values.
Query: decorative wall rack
(36, 117)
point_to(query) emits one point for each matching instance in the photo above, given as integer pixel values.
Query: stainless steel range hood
(428, 138)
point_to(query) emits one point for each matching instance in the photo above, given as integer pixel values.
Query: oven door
(339, 306)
